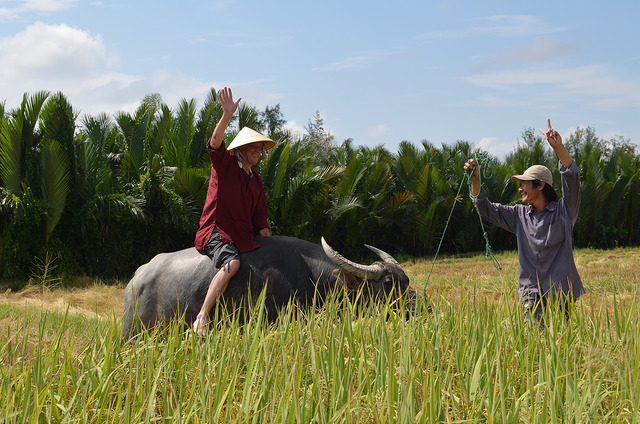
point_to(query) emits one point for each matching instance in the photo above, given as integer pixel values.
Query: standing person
(543, 229)
(235, 210)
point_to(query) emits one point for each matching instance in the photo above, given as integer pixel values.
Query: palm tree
(59, 167)
(54, 184)
(105, 206)
(248, 116)
(18, 160)
(609, 177)
(133, 129)
(39, 160)
(209, 115)
(35, 169)
(361, 205)
(180, 137)
(293, 182)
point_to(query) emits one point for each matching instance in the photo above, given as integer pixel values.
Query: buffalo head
(378, 281)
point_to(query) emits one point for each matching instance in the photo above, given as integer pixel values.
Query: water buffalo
(175, 283)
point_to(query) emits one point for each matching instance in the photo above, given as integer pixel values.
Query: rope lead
(480, 157)
(484, 161)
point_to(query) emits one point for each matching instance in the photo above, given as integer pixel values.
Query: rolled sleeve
(571, 190)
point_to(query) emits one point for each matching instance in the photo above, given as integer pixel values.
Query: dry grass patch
(97, 299)
(460, 277)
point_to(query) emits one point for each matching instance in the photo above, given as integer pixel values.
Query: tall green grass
(472, 361)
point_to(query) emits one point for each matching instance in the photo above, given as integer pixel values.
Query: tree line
(103, 194)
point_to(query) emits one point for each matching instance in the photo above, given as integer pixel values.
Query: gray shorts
(221, 252)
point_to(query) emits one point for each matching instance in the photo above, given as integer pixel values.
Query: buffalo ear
(350, 281)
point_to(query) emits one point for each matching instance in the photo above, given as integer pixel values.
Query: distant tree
(152, 101)
(273, 120)
(316, 134)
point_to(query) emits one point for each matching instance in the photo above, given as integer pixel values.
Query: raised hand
(472, 166)
(229, 107)
(555, 141)
(226, 100)
(553, 137)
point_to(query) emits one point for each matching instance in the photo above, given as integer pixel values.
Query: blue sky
(378, 72)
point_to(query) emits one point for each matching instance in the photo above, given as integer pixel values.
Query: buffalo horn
(365, 272)
(383, 255)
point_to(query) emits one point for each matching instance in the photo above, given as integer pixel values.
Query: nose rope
(488, 173)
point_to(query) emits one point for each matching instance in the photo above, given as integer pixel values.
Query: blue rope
(481, 158)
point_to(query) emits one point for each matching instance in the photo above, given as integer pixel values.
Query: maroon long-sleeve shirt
(236, 203)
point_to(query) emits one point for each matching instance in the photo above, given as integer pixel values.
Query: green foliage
(21, 235)
(108, 193)
(55, 183)
(273, 120)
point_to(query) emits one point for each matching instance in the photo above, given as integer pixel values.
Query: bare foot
(200, 325)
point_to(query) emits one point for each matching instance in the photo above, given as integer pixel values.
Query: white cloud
(536, 51)
(495, 147)
(51, 51)
(295, 128)
(47, 5)
(605, 136)
(379, 131)
(512, 26)
(499, 26)
(119, 92)
(78, 64)
(104, 80)
(356, 62)
(497, 102)
(594, 85)
(17, 8)
(54, 58)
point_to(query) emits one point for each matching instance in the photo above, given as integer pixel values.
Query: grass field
(472, 359)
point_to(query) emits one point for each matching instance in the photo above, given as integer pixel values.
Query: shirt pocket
(555, 234)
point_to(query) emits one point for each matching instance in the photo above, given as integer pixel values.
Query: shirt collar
(250, 173)
(551, 206)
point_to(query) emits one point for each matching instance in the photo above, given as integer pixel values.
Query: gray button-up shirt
(545, 246)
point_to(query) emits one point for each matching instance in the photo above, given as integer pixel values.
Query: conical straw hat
(248, 136)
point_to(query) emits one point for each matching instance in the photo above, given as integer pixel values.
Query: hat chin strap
(238, 154)
(240, 157)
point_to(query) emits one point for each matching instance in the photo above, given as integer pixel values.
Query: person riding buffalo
(235, 210)
(547, 270)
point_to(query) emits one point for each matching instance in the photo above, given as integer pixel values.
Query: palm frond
(248, 116)
(182, 134)
(11, 154)
(55, 183)
(192, 183)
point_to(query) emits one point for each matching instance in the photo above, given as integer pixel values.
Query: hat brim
(521, 178)
(248, 136)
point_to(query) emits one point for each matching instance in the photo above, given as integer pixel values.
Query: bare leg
(216, 288)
